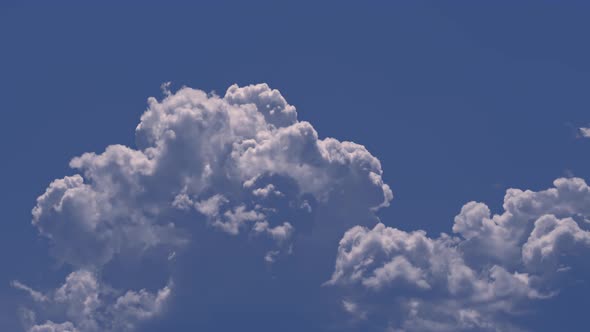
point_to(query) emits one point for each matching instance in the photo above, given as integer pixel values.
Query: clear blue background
(459, 101)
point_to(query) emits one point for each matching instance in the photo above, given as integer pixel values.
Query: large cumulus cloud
(474, 281)
(219, 157)
(230, 205)
(239, 166)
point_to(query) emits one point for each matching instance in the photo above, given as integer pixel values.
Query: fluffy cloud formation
(88, 305)
(234, 185)
(233, 160)
(241, 165)
(471, 282)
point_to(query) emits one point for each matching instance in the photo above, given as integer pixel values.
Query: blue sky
(458, 102)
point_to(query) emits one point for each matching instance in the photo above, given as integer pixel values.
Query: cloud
(89, 305)
(500, 237)
(552, 239)
(50, 326)
(232, 202)
(584, 132)
(201, 153)
(35, 295)
(494, 267)
(240, 166)
(269, 102)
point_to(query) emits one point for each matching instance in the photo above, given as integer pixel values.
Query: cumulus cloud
(493, 267)
(214, 181)
(202, 153)
(86, 304)
(242, 165)
(500, 237)
(551, 240)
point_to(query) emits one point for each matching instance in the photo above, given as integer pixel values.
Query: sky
(264, 166)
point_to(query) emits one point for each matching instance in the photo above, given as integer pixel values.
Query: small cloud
(35, 295)
(584, 132)
(165, 87)
(353, 309)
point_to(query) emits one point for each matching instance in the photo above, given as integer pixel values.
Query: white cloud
(242, 165)
(280, 233)
(35, 295)
(585, 132)
(89, 306)
(140, 305)
(269, 102)
(501, 237)
(353, 309)
(199, 152)
(50, 326)
(210, 206)
(551, 240)
(497, 265)
(269, 189)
